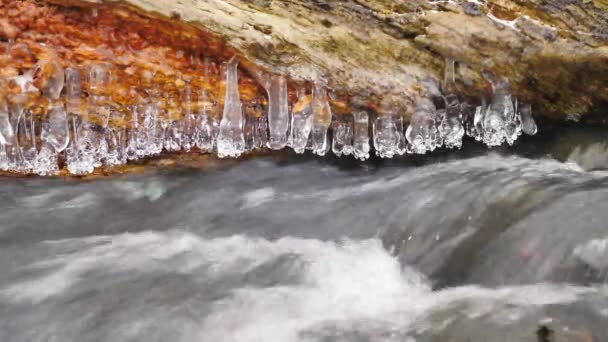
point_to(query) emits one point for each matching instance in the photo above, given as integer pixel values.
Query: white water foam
(343, 284)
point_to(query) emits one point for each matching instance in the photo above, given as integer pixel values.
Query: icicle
(342, 128)
(207, 129)
(53, 78)
(321, 120)
(231, 141)
(99, 86)
(132, 151)
(155, 129)
(3, 158)
(498, 114)
(528, 125)
(278, 112)
(361, 135)
(58, 134)
(26, 135)
(422, 134)
(6, 129)
(449, 78)
(451, 129)
(260, 132)
(189, 124)
(174, 126)
(111, 142)
(73, 90)
(45, 163)
(301, 123)
(207, 125)
(386, 136)
(402, 146)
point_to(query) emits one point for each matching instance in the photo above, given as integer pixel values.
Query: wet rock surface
(554, 52)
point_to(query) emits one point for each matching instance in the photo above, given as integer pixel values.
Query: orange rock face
(144, 56)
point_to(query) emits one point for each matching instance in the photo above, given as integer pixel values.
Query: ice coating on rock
(528, 124)
(53, 79)
(361, 146)
(231, 140)
(278, 112)
(322, 116)
(342, 130)
(386, 136)
(301, 123)
(422, 134)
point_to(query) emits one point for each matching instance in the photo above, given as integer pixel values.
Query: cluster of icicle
(501, 121)
(30, 144)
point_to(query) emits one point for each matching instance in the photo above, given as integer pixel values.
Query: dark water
(507, 245)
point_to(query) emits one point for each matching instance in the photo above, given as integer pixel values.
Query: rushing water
(472, 246)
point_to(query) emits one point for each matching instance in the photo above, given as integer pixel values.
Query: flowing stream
(468, 246)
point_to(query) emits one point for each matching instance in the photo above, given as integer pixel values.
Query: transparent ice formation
(387, 136)
(450, 127)
(422, 134)
(278, 112)
(321, 121)
(528, 124)
(301, 123)
(188, 140)
(361, 146)
(450, 119)
(498, 116)
(6, 129)
(53, 79)
(73, 90)
(85, 129)
(342, 129)
(58, 135)
(231, 140)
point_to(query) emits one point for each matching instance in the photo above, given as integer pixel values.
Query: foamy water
(485, 248)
